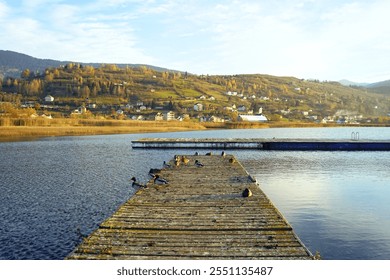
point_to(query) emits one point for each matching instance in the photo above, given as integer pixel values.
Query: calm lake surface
(54, 190)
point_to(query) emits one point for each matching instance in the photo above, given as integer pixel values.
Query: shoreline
(31, 133)
(12, 134)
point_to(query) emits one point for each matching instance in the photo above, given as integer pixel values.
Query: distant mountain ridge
(380, 87)
(13, 63)
(345, 82)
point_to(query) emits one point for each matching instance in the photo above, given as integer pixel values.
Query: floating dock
(262, 144)
(200, 214)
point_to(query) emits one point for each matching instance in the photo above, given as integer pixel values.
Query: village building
(216, 119)
(159, 117)
(49, 98)
(241, 108)
(80, 110)
(169, 116)
(252, 118)
(198, 107)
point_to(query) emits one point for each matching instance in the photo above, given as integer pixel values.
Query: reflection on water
(337, 202)
(55, 190)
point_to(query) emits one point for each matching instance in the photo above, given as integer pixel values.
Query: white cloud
(78, 33)
(4, 10)
(308, 38)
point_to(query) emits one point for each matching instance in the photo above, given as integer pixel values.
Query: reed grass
(14, 129)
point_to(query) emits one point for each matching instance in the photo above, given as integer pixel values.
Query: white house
(158, 117)
(216, 119)
(169, 116)
(241, 108)
(49, 98)
(253, 118)
(198, 107)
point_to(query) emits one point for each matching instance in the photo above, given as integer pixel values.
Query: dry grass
(25, 128)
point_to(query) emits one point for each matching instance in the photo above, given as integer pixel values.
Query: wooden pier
(200, 214)
(263, 144)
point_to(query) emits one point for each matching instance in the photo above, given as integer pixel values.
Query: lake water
(54, 190)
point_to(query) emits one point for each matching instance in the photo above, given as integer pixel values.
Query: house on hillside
(80, 110)
(241, 108)
(198, 107)
(169, 116)
(49, 98)
(253, 118)
(158, 117)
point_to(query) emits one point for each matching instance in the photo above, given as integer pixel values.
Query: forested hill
(110, 85)
(12, 64)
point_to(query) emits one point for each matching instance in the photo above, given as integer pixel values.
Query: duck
(196, 154)
(177, 162)
(166, 165)
(252, 179)
(209, 154)
(152, 172)
(185, 160)
(160, 181)
(136, 184)
(247, 193)
(198, 163)
(223, 154)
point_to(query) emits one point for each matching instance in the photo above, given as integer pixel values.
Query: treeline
(180, 89)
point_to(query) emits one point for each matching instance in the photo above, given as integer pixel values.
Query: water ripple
(55, 190)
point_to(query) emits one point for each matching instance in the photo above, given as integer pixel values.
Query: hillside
(380, 87)
(12, 64)
(109, 90)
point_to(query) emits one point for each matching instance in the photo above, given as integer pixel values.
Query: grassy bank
(23, 129)
(26, 129)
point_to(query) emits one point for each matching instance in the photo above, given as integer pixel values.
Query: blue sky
(320, 39)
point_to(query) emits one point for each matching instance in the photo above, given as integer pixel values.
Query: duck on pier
(252, 179)
(160, 181)
(152, 172)
(198, 163)
(177, 162)
(136, 184)
(166, 165)
(247, 193)
(185, 160)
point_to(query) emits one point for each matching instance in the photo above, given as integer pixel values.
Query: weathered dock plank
(263, 144)
(200, 214)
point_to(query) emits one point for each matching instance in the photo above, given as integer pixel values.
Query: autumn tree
(26, 73)
(85, 92)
